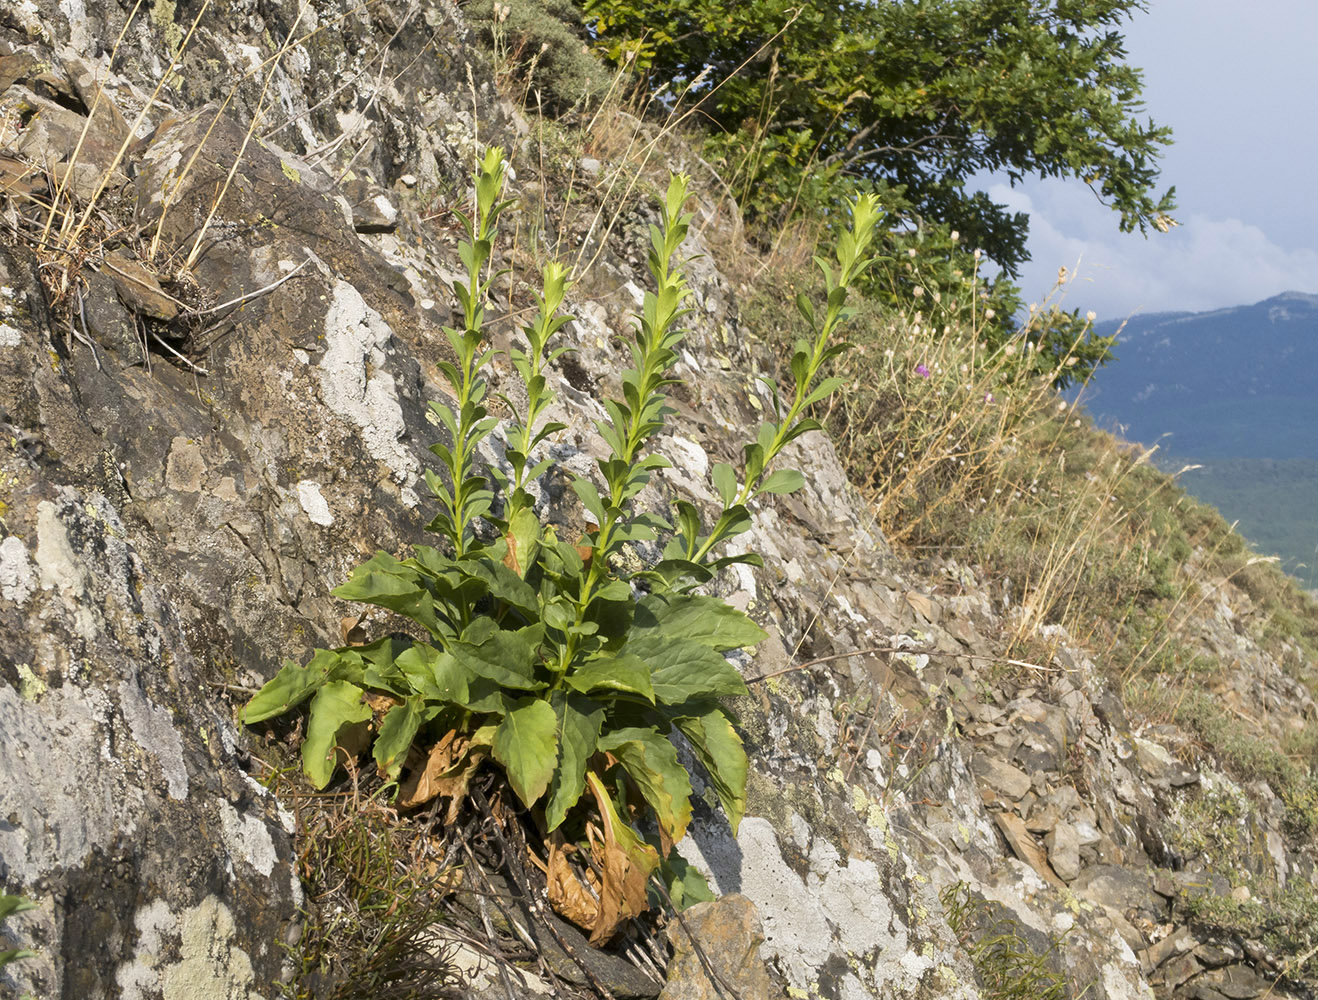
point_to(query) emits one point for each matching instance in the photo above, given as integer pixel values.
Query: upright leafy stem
(523, 436)
(808, 359)
(637, 417)
(468, 422)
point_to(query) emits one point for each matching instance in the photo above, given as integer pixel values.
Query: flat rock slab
(729, 933)
(1008, 781)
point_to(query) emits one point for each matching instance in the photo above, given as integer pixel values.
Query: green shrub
(541, 47)
(544, 655)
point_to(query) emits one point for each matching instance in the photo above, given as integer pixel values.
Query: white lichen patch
(248, 837)
(354, 384)
(17, 581)
(64, 792)
(61, 569)
(153, 729)
(386, 209)
(10, 336)
(313, 503)
(209, 966)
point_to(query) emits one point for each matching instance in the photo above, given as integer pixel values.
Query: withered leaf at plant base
(447, 770)
(570, 898)
(626, 863)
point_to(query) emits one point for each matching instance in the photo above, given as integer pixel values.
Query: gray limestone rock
(1064, 851)
(1000, 776)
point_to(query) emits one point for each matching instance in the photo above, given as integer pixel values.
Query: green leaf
(526, 744)
(290, 687)
(613, 672)
(782, 481)
(681, 669)
(686, 886)
(337, 706)
(725, 481)
(507, 658)
(720, 751)
(388, 583)
(396, 734)
(707, 620)
(9, 905)
(651, 762)
(590, 498)
(434, 675)
(579, 722)
(502, 583)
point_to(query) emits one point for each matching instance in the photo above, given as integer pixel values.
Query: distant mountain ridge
(1239, 382)
(1236, 392)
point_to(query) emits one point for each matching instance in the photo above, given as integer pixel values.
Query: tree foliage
(916, 97)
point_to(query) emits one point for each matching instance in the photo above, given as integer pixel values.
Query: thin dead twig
(197, 313)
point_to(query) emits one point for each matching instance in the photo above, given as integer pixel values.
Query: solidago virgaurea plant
(542, 657)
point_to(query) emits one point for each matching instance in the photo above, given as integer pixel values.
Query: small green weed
(1284, 920)
(544, 655)
(1007, 966)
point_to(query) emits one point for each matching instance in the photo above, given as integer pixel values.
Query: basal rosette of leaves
(542, 656)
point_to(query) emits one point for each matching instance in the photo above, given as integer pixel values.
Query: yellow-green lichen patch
(30, 686)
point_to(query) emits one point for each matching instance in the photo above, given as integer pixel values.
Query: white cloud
(1206, 263)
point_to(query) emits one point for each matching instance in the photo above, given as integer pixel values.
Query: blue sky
(1237, 83)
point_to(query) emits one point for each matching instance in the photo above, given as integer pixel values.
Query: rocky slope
(193, 456)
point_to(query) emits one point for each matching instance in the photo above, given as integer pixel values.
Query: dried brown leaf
(568, 895)
(447, 770)
(625, 862)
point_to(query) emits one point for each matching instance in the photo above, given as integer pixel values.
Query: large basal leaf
(682, 670)
(579, 720)
(526, 744)
(385, 582)
(613, 672)
(651, 762)
(625, 863)
(503, 583)
(507, 658)
(380, 670)
(706, 620)
(434, 675)
(720, 750)
(396, 734)
(337, 707)
(290, 687)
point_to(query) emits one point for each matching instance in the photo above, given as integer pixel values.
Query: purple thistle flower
(922, 371)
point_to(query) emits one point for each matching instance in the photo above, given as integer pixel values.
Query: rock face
(180, 491)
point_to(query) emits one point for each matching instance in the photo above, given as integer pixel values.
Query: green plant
(1007, 965)
(9, 905)
(545, 655)
(371, 926)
